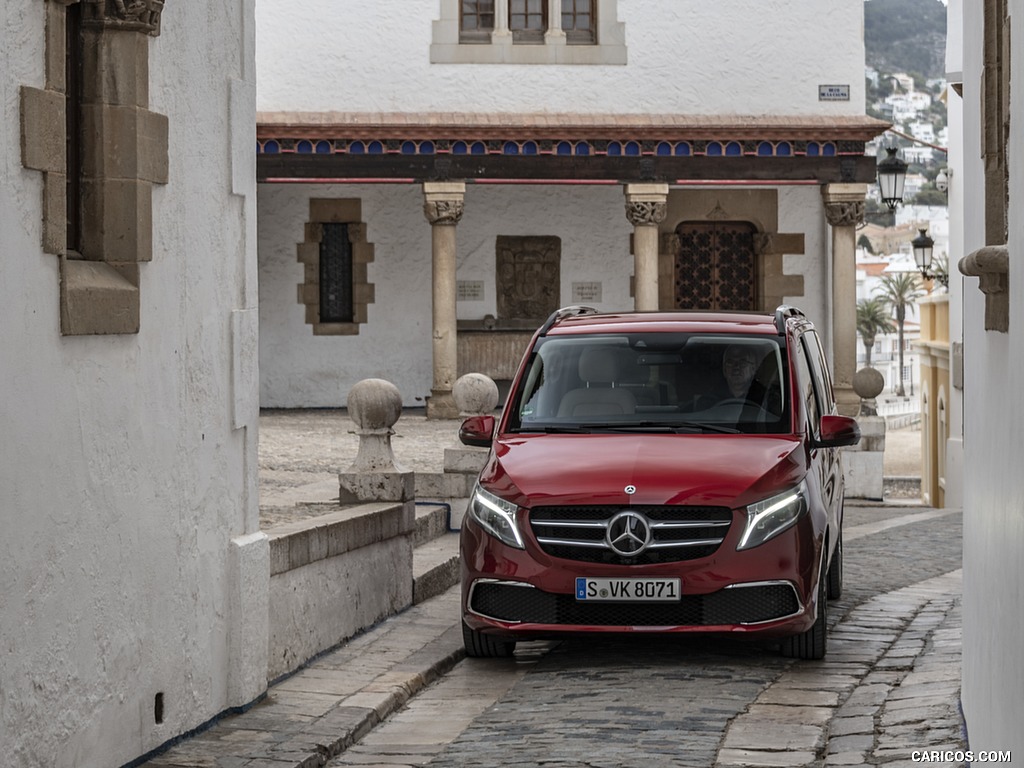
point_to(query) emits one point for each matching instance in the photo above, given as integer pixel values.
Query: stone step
(435, 567)
(432, 520)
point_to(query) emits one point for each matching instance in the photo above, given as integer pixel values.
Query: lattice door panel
(715, 266)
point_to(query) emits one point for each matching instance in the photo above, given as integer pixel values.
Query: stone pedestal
(863, 463)
(474, 395)
(375, 405)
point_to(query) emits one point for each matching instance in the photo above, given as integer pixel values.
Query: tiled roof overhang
(334, 146)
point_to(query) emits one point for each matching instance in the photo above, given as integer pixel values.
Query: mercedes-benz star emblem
(630, 489)
(629, 533)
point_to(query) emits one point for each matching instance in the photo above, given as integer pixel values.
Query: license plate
(628, 590)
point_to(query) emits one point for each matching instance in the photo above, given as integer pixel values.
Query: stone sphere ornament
(374, 405)
(868, 384)
(475, 394)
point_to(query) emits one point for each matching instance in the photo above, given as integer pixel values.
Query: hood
(707, 470)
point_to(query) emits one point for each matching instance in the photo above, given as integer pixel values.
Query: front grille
(678, 533)
(738, 605)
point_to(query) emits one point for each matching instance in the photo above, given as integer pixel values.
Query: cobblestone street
(890, 683)
(889, 686)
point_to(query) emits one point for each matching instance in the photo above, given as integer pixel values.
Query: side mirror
(837, 432)
(479, 431)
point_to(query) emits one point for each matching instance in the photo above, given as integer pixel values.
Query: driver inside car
(739, 364)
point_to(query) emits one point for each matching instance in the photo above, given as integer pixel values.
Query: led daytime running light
(766, 519)
(497, 517)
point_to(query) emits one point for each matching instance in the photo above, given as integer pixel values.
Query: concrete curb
(332, 702)
(427, 666)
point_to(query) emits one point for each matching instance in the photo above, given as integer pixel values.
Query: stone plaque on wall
(528, 275)
(469, 290)
(589, 291)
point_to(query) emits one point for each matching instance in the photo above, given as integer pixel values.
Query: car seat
(600, 368)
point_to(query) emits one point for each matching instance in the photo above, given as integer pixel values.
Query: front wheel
(483, 646)
(813, 643)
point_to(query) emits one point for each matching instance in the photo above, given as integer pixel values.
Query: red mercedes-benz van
(659, 472)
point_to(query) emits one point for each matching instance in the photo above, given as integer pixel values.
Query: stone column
(443, 206)
(554, 35)
(501, 35)
(844, 210)
(645, 209)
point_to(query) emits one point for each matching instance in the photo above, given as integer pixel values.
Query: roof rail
(782, 312)
(559, 314)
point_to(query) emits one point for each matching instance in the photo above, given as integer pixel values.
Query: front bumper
(769, 590)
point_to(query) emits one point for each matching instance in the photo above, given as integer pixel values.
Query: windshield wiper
(554, 430)
(656, 426)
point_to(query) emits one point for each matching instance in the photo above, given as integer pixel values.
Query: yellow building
(933, 346)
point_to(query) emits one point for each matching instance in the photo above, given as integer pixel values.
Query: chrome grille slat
(690, 543)
(677, 533)
(573, 543)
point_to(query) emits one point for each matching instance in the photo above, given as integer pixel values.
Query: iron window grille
(336, 305)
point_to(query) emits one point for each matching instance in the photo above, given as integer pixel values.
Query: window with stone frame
(476, 21)
(100, 150)
(578, 22)
(528, 20)
(335, 256)
(528, 32)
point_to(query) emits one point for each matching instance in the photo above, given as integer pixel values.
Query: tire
(812, 644)
(482, 646)
(835, 571)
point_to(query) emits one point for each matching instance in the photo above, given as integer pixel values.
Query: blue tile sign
(833, 93)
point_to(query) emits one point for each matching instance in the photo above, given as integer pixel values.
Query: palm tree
(873, 318)
(899, 291)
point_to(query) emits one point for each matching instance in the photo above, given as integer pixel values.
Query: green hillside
(906, 36)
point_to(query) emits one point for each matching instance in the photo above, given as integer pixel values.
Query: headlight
(770, 517)
(496, 516)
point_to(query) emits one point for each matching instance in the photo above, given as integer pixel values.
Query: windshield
(654, 382)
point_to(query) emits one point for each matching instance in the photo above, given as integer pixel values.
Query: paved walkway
(889, 686)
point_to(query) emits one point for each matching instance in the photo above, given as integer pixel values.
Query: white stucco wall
(993, 665)
(299, 369)
(130, 556)
(684, 56)
(956, 199)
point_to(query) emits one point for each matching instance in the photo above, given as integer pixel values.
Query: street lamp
(923, 246)
(892, 172)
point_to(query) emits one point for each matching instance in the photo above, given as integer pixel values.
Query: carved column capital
(844, 214)
(645, 203)
(443, 202)
(136, 15)
(645, 213)
(444, 212)
(844, 204)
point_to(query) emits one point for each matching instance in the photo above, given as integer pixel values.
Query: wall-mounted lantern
(923, 247)
(892, 173)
